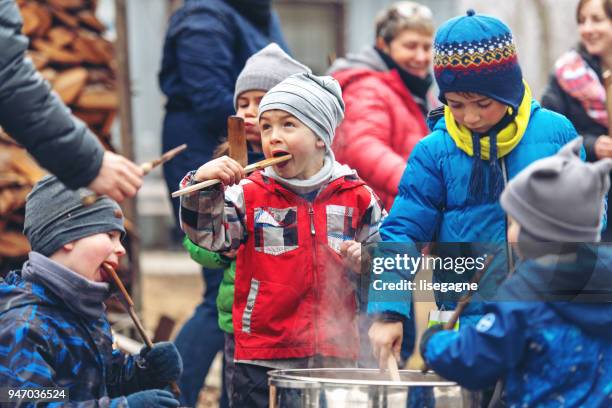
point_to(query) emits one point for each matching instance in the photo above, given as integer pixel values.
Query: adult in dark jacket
(36, 118)
(576, 87)
(206, 47)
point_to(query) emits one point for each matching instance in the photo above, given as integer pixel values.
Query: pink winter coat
(381, 126)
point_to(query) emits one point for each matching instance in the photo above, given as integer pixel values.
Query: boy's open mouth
(280, 153)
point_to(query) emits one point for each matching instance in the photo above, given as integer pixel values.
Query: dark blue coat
(550, 354)
(45, 344)
(206, 47)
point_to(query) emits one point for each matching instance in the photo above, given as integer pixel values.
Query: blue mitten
(159, 365)
(426, 336)
(152, 399)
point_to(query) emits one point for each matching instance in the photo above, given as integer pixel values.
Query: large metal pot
(363, 388)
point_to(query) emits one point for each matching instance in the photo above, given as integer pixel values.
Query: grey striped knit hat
(315, 100)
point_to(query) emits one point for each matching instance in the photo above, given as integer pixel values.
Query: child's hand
(228, 170)
(385, 338)
(351, 252)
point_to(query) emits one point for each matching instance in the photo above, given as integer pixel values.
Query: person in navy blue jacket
(53, 327)
(488, 131)
(207, 45)
(548, 336)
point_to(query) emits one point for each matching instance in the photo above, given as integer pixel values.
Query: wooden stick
(130, 309)
(248, 169)
(169, 155)
(146, 167)
(236, 137)
(392, 366)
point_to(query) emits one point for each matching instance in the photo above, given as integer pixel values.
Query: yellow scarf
(507, 138)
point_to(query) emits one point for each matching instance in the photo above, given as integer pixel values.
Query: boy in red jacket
(295, 303)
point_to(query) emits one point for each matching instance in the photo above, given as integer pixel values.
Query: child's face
(86, 255)
(283, 133)
(595, 28)
(512, 234)
(248, 104)
(411, 50)
(474, 111)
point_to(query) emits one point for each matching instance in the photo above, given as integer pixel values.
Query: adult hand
(224, 168)
(118, 177)
(351, 253)
(151, 399)
(161, 364)
(603, 147)
(386, 338)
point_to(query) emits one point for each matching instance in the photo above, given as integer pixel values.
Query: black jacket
(35, 117)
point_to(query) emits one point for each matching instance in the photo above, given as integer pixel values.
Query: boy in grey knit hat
(262, 71)
(293, 225)
(548, 334)
(53, 327)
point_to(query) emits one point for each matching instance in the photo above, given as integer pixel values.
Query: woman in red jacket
(385, 89)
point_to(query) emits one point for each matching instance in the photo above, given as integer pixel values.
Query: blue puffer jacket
(549, 354)
(206, 47)
(45, 344)
(433, 204)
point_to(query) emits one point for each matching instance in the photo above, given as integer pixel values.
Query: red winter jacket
(294, 297)
(382, 124)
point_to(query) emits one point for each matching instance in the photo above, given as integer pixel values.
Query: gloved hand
(159, 365)
(152, 399)
(426, 336)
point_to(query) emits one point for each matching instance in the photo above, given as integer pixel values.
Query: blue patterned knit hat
(476, 53)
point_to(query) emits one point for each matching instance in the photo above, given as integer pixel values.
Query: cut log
(89, 19)
(56, 55)
(70, 83)
(84, 49)
(92, 118)
(13, 244)
(61, 36)
(30, 19)
(45, 19)
(67, 4)
(49, 74)
(105, 130)
(65, 18)
(39, 59)
(98, 98)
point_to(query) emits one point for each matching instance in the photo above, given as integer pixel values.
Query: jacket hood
(366, 58)
(16, 292)
(579, 290)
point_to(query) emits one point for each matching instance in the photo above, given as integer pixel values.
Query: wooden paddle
(236, 138)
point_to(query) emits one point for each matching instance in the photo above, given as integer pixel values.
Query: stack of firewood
(68, 48)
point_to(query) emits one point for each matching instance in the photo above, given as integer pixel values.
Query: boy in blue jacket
(549, 334)
(53, 328)
(488, 131)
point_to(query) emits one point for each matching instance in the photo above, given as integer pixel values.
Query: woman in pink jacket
(386, 92)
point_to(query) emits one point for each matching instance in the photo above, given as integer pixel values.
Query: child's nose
(119, 249)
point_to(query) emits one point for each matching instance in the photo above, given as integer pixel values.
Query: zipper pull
(311, 214)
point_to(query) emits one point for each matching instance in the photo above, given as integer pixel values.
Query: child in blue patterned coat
(53, 328)
(549, 334)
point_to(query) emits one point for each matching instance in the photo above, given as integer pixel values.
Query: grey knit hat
(265, 69)
(54, 216)
(315, 100)
(560, 198)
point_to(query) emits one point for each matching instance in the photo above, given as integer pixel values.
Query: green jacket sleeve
(204, 257)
